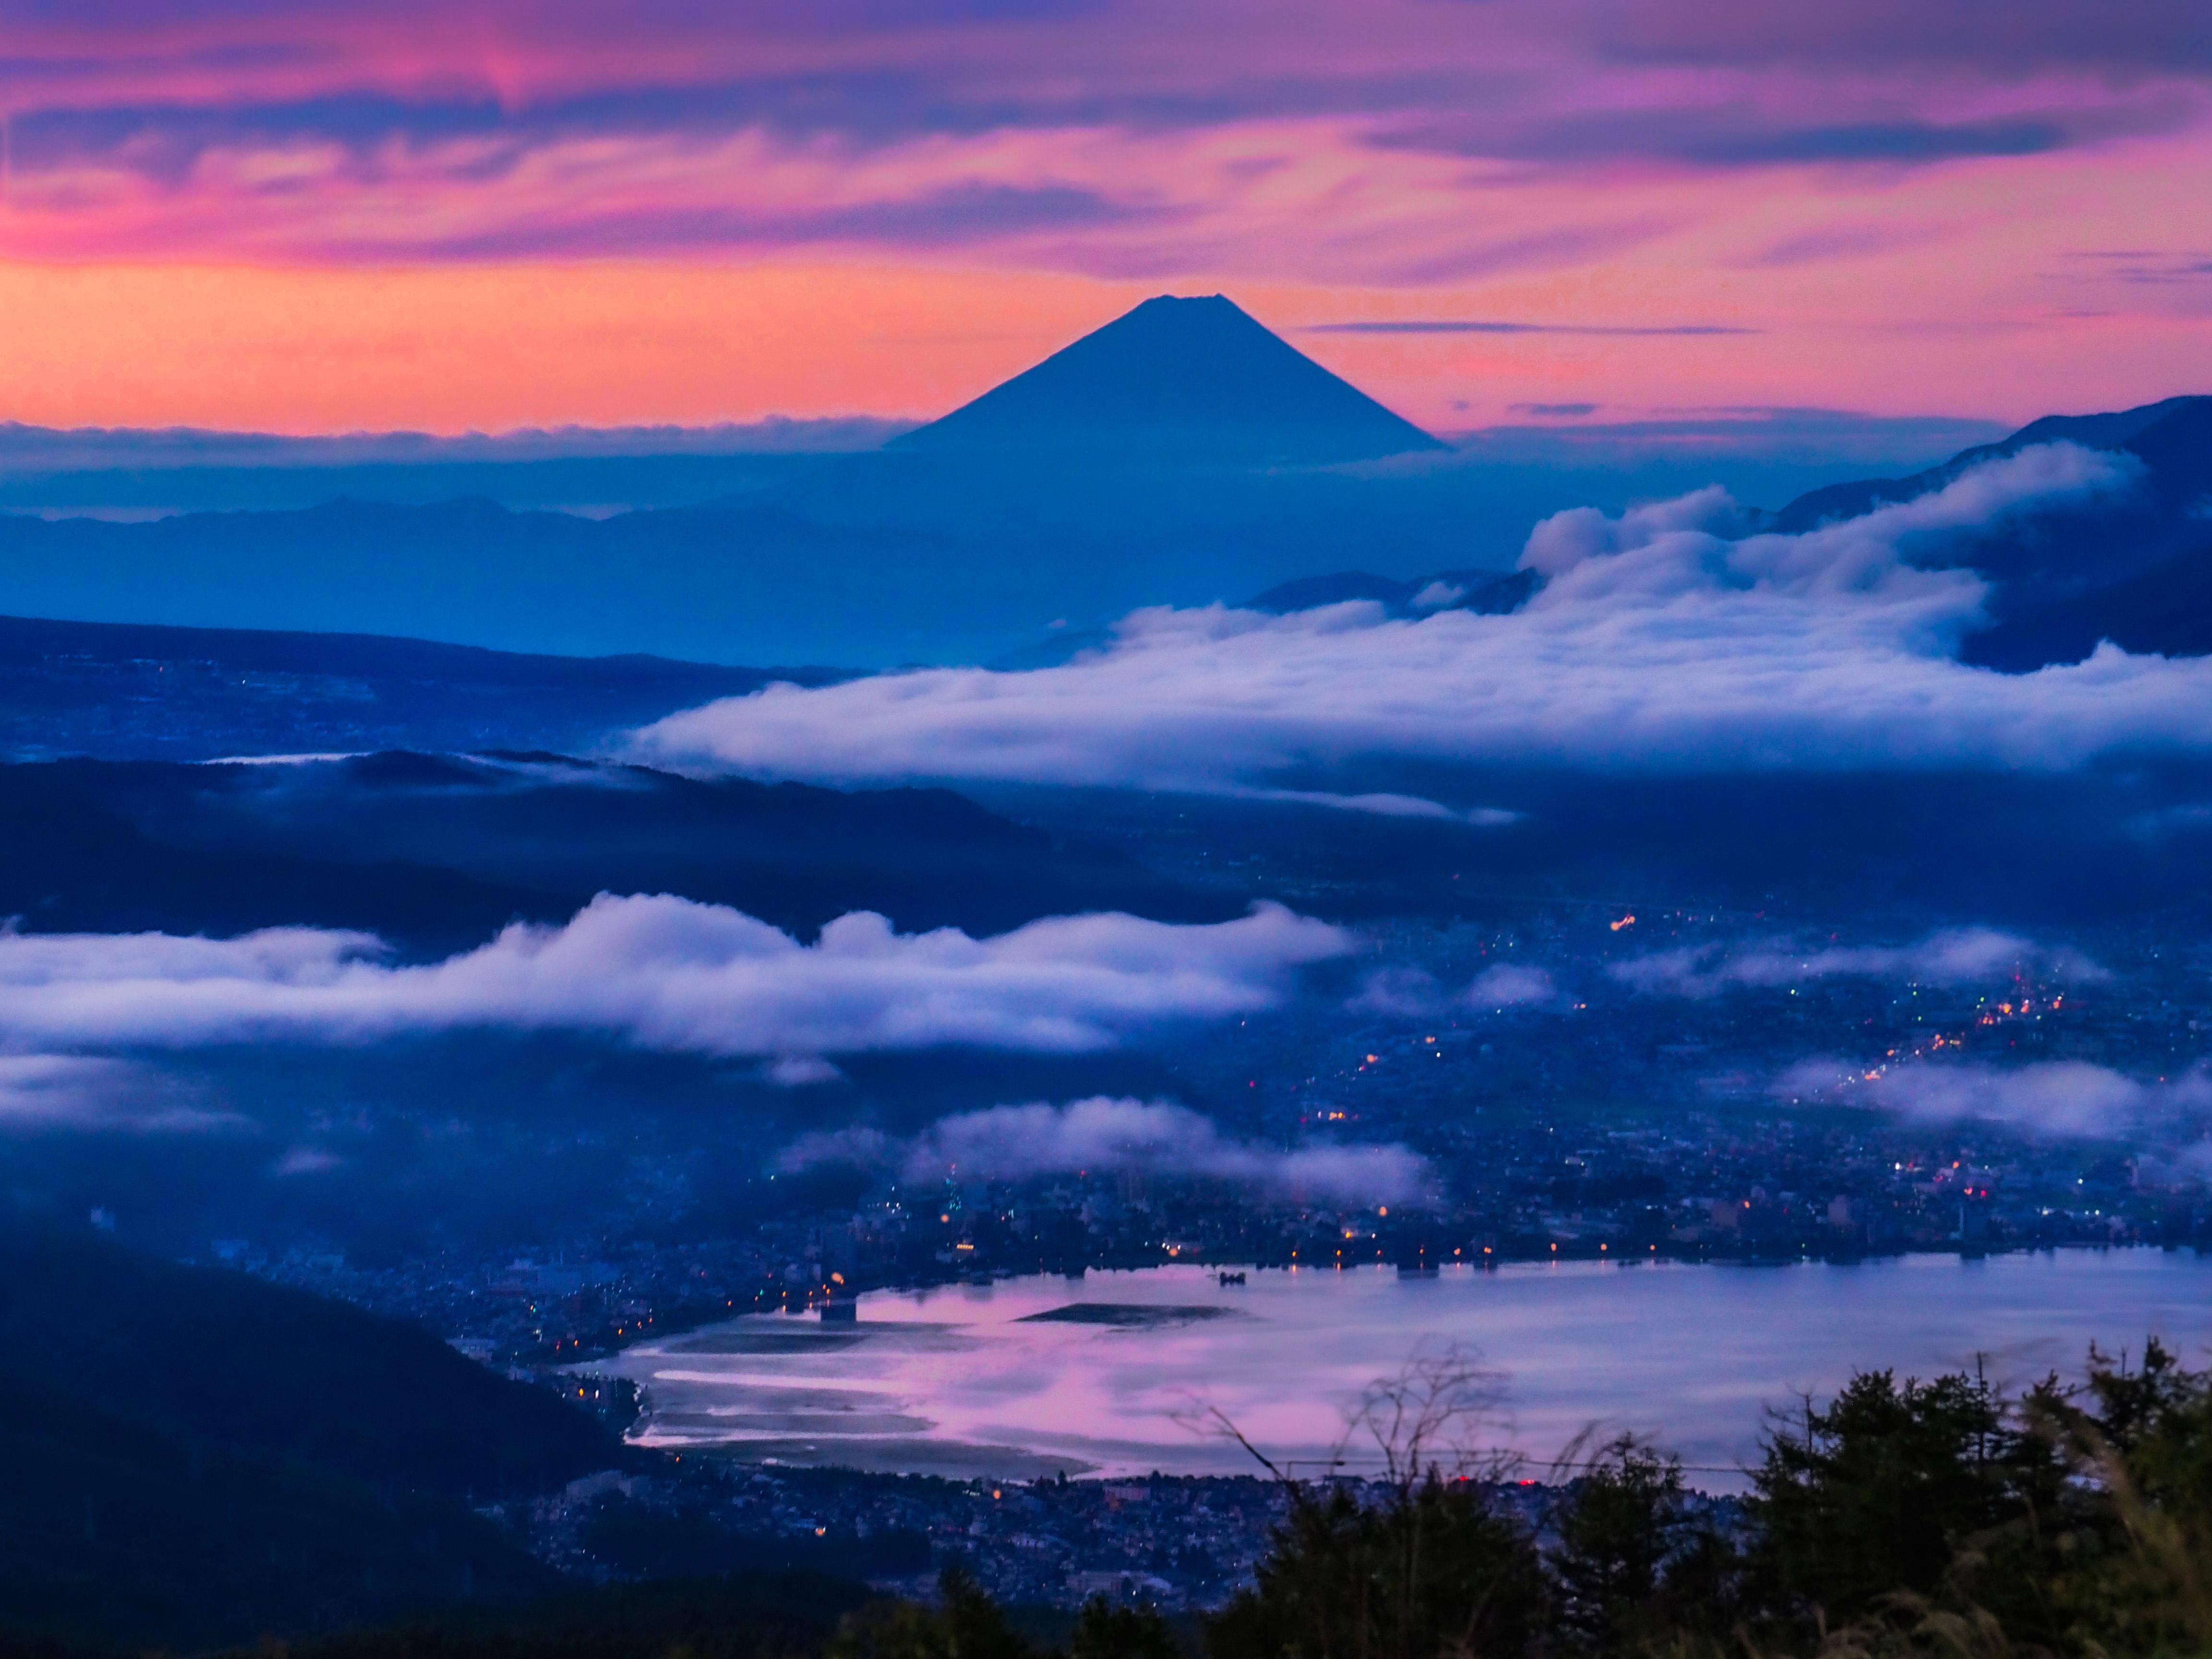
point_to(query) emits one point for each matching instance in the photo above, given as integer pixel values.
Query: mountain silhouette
(2135, 569)
(1181, 454)
(1197, 377)
(2172, 438)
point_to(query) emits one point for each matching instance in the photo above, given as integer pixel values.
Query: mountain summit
(1194, 379)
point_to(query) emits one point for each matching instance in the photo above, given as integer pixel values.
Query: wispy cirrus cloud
(1704, 136)
(2148, 267)
(1454, 326)
(1899, 35)
(440, 129)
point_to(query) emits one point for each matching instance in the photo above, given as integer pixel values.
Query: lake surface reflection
(1109, 1373)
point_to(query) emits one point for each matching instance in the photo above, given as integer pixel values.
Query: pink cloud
(1594, 162)
(1111, 138)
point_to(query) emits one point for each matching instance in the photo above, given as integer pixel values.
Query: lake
(1120, 1373)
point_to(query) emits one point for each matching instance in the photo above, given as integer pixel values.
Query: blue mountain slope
(436, 852)
(2174, 435)
(741, 583)
(132, 691)
(2135, 570)
(1181, 455)
(1197, 379)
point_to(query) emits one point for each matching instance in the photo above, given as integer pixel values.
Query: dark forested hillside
(2135, 569)
(196, 1457)
(437, 852)
(137, 691)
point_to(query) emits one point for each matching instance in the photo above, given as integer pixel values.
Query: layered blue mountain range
(1181, 455)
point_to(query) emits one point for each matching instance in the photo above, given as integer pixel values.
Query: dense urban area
(1590, 1123)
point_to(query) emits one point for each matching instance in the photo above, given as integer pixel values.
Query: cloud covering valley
(1674, 637)
(662, 973)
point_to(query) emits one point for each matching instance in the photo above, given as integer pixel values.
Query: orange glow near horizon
(1916, 329)
(491, 213)
(492, 348)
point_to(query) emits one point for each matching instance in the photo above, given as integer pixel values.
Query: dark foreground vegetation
(190, 1457)
(1903, 1518)
(190, 1460)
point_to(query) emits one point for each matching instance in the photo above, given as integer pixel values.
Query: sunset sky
(489, 213)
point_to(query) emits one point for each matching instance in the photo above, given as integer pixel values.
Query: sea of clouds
(85, 1019)
(1672, 637)
(663, 973)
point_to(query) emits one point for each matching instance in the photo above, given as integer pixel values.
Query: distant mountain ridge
(2174, 434)
(2137, 571)
(1192, 378)
(134, 472)
(25, 449)
(142, 691)
(1181, 455)
(437, 851)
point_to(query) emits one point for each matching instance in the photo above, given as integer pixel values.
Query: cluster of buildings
(1597, 1121)
(1173, 1542)
(1729, 1113)
(1179, 1543)
(1705, 1187)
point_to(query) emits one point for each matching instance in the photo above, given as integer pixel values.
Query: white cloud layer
(2062, 1098)
(664, 973)
(1949, 956)
(1669, 637)
(1106, 1135)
